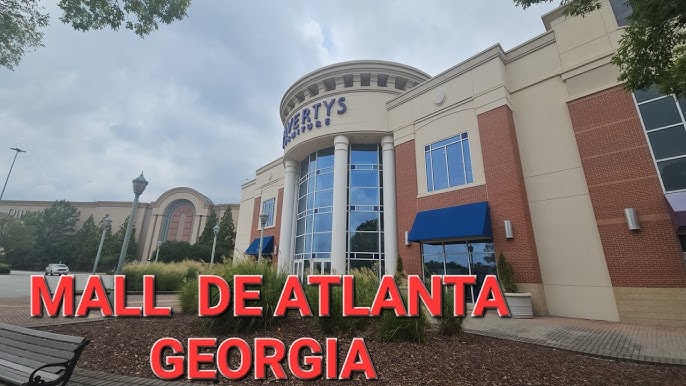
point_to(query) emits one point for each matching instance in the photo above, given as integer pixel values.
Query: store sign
(312, 117)
(17, 212)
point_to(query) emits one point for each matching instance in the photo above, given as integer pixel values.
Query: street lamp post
(263, 221)
(214, 244)
(157, 254)
(106, 223)
(139, 185)
(17, 150)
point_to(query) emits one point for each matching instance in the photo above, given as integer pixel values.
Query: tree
(16, 240)
(54, 232)
(207, 235)
(114, 242)
(652, 50)
(85, 245)
(21, 21)
(226, 239)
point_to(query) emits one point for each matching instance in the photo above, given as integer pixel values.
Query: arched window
(178, 221)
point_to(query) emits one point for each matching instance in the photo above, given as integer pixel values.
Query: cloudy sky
(196, 103)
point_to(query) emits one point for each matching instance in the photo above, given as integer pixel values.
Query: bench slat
(40, 342)
(27, 362)
(42, 334)
(41, 357)
(29, 348)
(8, 374)
(18, 369)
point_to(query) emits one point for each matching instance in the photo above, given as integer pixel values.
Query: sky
(196, 103)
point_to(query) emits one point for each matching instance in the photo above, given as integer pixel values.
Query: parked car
(56, 269)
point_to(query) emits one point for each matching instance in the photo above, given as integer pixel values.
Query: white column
(390, 218)
(340, 205)
(287, 208)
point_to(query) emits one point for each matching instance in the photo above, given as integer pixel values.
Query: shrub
(168, 277)
(366, 285)
(448, 324)
(188, 297)
(270, 291)
(505, 275)
(174, 251)
(394, 328)
(4, 269)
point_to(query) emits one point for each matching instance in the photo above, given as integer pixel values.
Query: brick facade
(620, 173)
(273, 231)
(504, 191)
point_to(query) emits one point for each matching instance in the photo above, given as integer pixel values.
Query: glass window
(364, 154)
(663, 119)
(673, 173)
(682, 241)
(324, 181)
(622, 10)
(448, 163)
(364, 221)
(268, 208)
(659, 113)
(667, 143)
(364, 178)
(325, 158)
(364, 196)
(322, 222)
(364, 242)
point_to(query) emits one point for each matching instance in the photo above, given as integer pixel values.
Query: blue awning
(471, 221)
(267, 246)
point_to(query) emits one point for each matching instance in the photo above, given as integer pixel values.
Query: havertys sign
(311, 117)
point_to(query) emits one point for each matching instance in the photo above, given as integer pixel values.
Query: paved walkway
(605, 339)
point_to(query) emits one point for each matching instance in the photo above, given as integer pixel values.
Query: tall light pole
(106, 223)
(263, 221)
(214, 244)
(157, 254)
(139, 185)
(17, 150)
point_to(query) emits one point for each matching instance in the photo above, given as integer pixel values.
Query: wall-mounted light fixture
(509, 233)
(632, 219)
(407, 238)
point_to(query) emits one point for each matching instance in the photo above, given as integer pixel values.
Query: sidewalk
(632, 342)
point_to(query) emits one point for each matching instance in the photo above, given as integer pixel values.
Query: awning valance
(678, 203)
(267, 246)
(471, 221)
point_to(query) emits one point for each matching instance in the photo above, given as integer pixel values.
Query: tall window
(448, 163)
(268, 208)
(460, 258)
(663, 120)
(622, 10)
(365, 208)
(315, 205)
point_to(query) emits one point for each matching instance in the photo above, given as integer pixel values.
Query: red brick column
(620, 173)
(406, 201)
(273, 231)
(506, 193)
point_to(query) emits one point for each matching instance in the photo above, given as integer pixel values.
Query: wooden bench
(31, 357)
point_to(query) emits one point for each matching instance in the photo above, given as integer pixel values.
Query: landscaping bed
(122, 346)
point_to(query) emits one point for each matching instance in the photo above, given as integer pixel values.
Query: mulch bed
(122, 346)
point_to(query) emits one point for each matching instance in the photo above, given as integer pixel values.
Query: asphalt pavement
(17, 283)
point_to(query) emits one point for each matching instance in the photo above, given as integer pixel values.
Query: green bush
(188, 297)
(394, 328)
(175, 251)
(4, 269)
(448, 324)
(270, 291)
(505, 275)
(366, 285)
(168, 276)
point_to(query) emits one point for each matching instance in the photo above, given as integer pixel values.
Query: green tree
(16, 240)
(112, 247)
(207, 235)
(652, 50)
(54, 231)
(85, 245)
(22, 21)
(226, 239)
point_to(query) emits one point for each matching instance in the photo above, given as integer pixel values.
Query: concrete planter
(519, 304)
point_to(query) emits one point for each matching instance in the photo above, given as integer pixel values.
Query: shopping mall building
(536, 152)
(178, 214)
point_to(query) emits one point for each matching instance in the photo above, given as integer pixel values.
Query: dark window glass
(359, 264)
(433, 265)
(440, 169)
(456, 169)
(456, 247)
(325, 181)
(364, 242)
(682, 240)
(456, 264)
(429, 249)
(299, 244)
(322, 222)
(682, 104)
(429, 174)
(364, 154)
(304, 167)
(322, 242)
(673, 173)
(622, 10)
(668, 143)
(659, 113)
(647, 94)
(325, 158)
